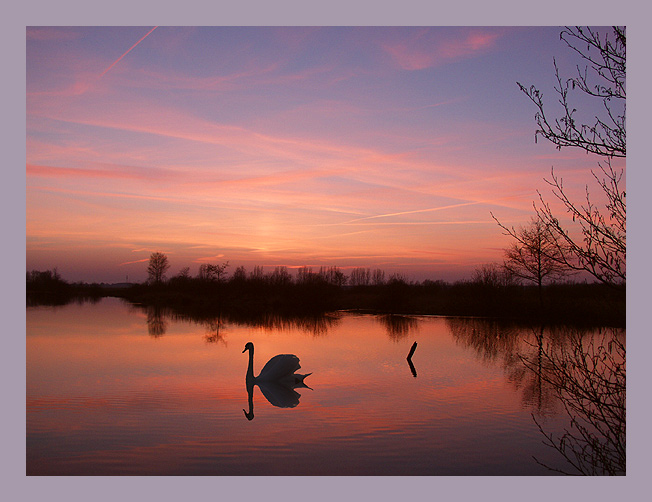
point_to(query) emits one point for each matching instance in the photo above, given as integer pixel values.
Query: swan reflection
(277, 381)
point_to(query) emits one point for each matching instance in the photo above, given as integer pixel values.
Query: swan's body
(280, 368)
(277, 380)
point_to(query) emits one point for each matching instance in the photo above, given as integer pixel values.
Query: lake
(115, 389)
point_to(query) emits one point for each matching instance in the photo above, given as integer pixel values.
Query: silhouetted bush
(47, 288)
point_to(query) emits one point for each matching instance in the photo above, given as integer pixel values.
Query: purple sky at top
(376, 147)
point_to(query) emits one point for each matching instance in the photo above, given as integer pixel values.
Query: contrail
(128, 50)
(418, 211)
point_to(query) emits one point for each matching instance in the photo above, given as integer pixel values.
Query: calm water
(113, 389)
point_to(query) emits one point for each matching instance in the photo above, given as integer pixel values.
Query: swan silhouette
(277, 380)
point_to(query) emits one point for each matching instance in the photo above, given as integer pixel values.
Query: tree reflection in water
(217, 324)
(588, 374)
(398, 326)
(503, 344)
(216, 328)
(156, 323)
(579, 371)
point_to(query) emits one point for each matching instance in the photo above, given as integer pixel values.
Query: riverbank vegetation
(489, 293)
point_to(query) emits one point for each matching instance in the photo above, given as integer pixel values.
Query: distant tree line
(49, 288)
(492, 291)
(280, 276)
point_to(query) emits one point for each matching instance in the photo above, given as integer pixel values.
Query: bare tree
(281, 276)
(378, 277)
(203, 272)
(360, 277)
(492, 275)
(184, 273)
(536, 256)
(590, 377)
(240, 274)
(305, 275)
(605, 55)
(332, 275)
(158, 266)
(257, 274)
(220, 271)
(210, 272)
(601, 249)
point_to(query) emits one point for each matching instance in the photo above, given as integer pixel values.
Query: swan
(277, 380)
(280, 368)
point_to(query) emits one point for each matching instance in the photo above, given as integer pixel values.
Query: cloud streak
(127, 51)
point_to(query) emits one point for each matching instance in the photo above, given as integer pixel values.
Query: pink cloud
(167, 122)
(474, 43)
(422, 51)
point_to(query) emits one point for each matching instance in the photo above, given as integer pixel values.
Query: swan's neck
(250, 369)
(250, 398)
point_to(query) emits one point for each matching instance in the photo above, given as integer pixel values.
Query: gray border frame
(18, 487)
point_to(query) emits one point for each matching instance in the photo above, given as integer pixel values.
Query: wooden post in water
(409, 360)
(414, 347)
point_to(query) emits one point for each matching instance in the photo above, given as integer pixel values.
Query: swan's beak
(245, 350)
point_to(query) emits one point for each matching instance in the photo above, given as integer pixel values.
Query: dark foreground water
(117, 390)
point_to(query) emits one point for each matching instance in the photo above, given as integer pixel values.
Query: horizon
(264, 146)
(576, 278)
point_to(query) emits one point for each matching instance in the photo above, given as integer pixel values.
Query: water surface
(117, 390)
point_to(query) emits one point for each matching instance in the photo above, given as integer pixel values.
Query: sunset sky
(354, 147)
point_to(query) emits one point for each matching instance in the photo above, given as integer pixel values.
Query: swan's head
(248, 346)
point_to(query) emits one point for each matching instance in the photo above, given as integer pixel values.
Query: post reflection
(412, 368)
